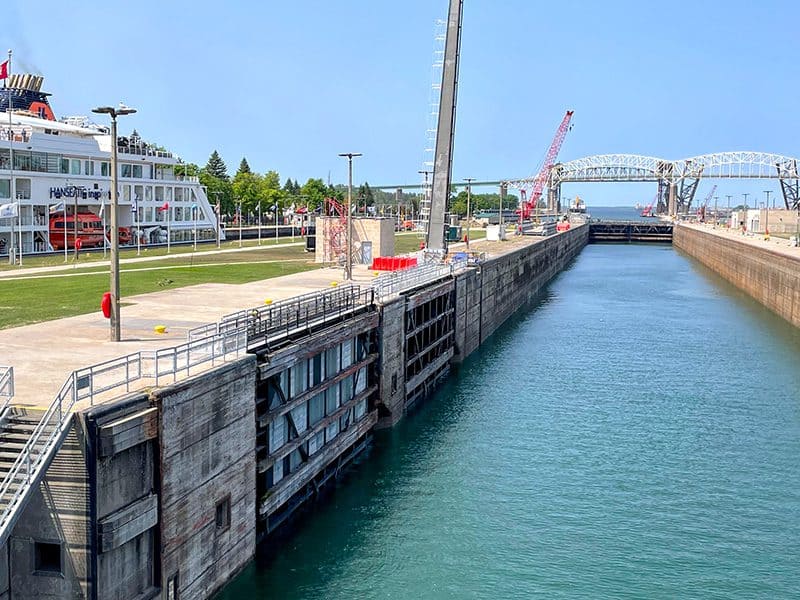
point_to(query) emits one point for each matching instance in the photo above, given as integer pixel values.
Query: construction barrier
(393, 263)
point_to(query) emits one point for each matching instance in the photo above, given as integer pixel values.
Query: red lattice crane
(540, 180)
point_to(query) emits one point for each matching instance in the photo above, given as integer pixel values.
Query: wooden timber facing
(128, 522)
(127, 432)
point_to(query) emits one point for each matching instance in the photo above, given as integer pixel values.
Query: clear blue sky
(291, 84)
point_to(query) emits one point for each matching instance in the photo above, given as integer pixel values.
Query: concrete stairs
(16, 429)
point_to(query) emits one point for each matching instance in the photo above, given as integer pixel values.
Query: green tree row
(252, 189)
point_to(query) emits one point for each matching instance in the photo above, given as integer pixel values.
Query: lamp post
(115, 316)
(766, 216)
(217, 211)
(469, 181)
(746, 194)
(239, 219)
(348, 266)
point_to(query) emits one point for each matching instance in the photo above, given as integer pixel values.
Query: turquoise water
(636, 434)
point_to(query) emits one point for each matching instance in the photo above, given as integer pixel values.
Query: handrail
(292, 314)
(396, 282)
(6, 387)
(89, 382)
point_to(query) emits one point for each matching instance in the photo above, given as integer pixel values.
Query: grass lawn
(33, 297)
(96, 254)
(37, 299)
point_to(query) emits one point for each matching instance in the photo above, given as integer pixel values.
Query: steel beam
(790, 183)
(443, 161)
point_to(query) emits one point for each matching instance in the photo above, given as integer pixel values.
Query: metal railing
(285, 318)
(150, 367)
(408, 279)
(6, 387)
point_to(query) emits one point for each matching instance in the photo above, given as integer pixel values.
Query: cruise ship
(61, 174)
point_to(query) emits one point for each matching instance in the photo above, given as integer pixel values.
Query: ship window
(137, 171)
(88, 167)
(5, 188)
(125, 171)
(74, 167)
(39, 162)
(64, 166)
(104, 169)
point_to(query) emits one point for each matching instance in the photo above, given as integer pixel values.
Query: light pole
(716, 218)
(239, 219)
(217, 210)
(115, 316)
(766, 216)
(469, 181)
(746, 194)
(348, 266)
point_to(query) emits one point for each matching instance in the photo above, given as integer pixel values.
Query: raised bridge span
(677, 179)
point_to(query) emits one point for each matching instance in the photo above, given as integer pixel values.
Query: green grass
(96, 254)
(37, 299)
(33, 298)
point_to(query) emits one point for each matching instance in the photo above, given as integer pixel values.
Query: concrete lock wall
(487, 297)
(770, 277)
(208, 492)
(56, 513)
(123, 449)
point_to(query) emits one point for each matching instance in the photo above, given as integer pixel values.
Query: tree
(247, 190)
(216, 167)
(218, 188)
(315, 191)
(272, 194)
(244, 167)
(365, 195)
(186, 169)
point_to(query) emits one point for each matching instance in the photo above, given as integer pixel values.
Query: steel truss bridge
(677, 179)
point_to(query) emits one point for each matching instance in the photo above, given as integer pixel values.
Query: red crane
(541, 178)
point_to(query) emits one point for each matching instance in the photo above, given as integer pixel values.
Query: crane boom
(541, 178)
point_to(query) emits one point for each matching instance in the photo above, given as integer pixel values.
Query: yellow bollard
(375, 273)
(160, 329)
(334, 283)
(268, 301)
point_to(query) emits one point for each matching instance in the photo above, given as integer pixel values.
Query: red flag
(165, 207)
(4, 70)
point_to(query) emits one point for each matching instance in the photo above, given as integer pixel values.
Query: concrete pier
(165, 490)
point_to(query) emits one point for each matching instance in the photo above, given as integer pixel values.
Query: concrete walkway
(774, 244)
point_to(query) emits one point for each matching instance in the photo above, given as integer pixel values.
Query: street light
(348, 267)
(746, 194)
(766, 216)
(469, 181)
(121, 110)
(217, 210)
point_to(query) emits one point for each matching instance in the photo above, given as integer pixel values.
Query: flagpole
(259, 222)
(138, 231)
(103, 211)
(19, 222)
(12, 253)
(64, 222)
(169, 229)
(276, 222)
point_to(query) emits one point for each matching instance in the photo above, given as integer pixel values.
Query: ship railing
(97, 382)
(282, 320)
(405, 280)
(140, 151)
